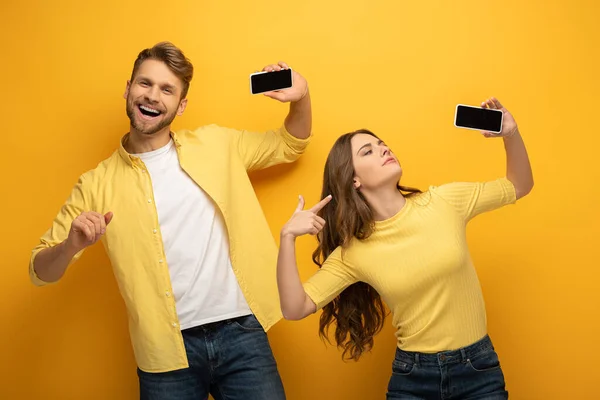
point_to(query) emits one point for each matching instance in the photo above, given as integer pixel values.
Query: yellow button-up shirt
(218, 160)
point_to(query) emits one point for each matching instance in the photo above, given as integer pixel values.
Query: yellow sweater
(419, 262)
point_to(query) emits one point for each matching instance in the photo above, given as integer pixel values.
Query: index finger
(272, 68)
(317, 207)
(497, 103)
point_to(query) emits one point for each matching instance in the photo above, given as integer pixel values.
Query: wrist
(287, 235)
(303, 96)
(68, 249)
(515, 133)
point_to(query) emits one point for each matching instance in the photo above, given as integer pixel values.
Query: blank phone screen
(269, 81)
(479, 118)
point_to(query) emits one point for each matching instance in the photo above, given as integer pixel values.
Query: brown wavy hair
(359, 312)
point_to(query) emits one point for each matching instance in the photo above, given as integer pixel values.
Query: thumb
(108, 217)
(300, 204)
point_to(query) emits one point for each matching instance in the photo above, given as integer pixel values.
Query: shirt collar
(134, 161)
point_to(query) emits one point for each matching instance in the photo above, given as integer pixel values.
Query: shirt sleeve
(332, 278)
(263, 150)
(59, 231)
(472, 199)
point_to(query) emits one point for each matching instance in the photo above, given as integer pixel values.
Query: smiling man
(191, 250)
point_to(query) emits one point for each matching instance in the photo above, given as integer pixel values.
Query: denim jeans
(231, 360)
(470, 373)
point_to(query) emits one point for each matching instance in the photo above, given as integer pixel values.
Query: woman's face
(374, 163)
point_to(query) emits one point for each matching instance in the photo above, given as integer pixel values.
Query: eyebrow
(142, 78)
(368, 145)
(164, 85)
(169, 86)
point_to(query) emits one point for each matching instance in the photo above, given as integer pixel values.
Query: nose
(152, 94)
(385, 151)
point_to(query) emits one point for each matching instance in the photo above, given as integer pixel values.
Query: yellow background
(395, 67)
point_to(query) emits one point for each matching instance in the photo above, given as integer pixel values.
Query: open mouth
(149, 111)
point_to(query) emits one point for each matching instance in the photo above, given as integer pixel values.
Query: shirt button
(154, 230)
(149, 200)
(174, 324)
(160, 261)
(168, 294)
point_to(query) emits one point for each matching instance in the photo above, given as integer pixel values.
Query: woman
(379, 241)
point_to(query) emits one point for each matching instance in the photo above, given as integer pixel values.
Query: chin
(397, 174)
(147, 129)
(390, 180)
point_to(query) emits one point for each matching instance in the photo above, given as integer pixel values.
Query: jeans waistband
(214, 325)
(446, 357)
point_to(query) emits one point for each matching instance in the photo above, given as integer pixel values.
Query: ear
(182, 106)
(356, 184)
(127, 90)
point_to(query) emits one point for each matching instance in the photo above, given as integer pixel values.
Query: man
(191, 250)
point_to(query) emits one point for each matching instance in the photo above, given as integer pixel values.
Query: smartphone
(261, 82)
(477, 118)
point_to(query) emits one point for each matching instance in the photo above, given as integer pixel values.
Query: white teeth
(145, 108)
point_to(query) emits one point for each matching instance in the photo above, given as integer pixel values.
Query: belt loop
(463, 353)
(417, 359)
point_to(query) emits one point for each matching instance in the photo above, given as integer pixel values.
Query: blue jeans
(231, 360)
(470, 373)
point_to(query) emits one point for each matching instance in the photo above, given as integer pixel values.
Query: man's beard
(139, 125)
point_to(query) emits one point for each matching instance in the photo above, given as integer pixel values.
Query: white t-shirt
(196, 244)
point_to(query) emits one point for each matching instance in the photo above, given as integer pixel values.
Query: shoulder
(93, 179)
(204, 131)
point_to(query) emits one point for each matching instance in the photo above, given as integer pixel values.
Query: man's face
(154, 97)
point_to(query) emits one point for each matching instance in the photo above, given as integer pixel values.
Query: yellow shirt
(217, 159)
(419, 262)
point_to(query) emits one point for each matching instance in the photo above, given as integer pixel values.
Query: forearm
(50, 264)
(295, 303)
(299, 119)
(518, 167)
